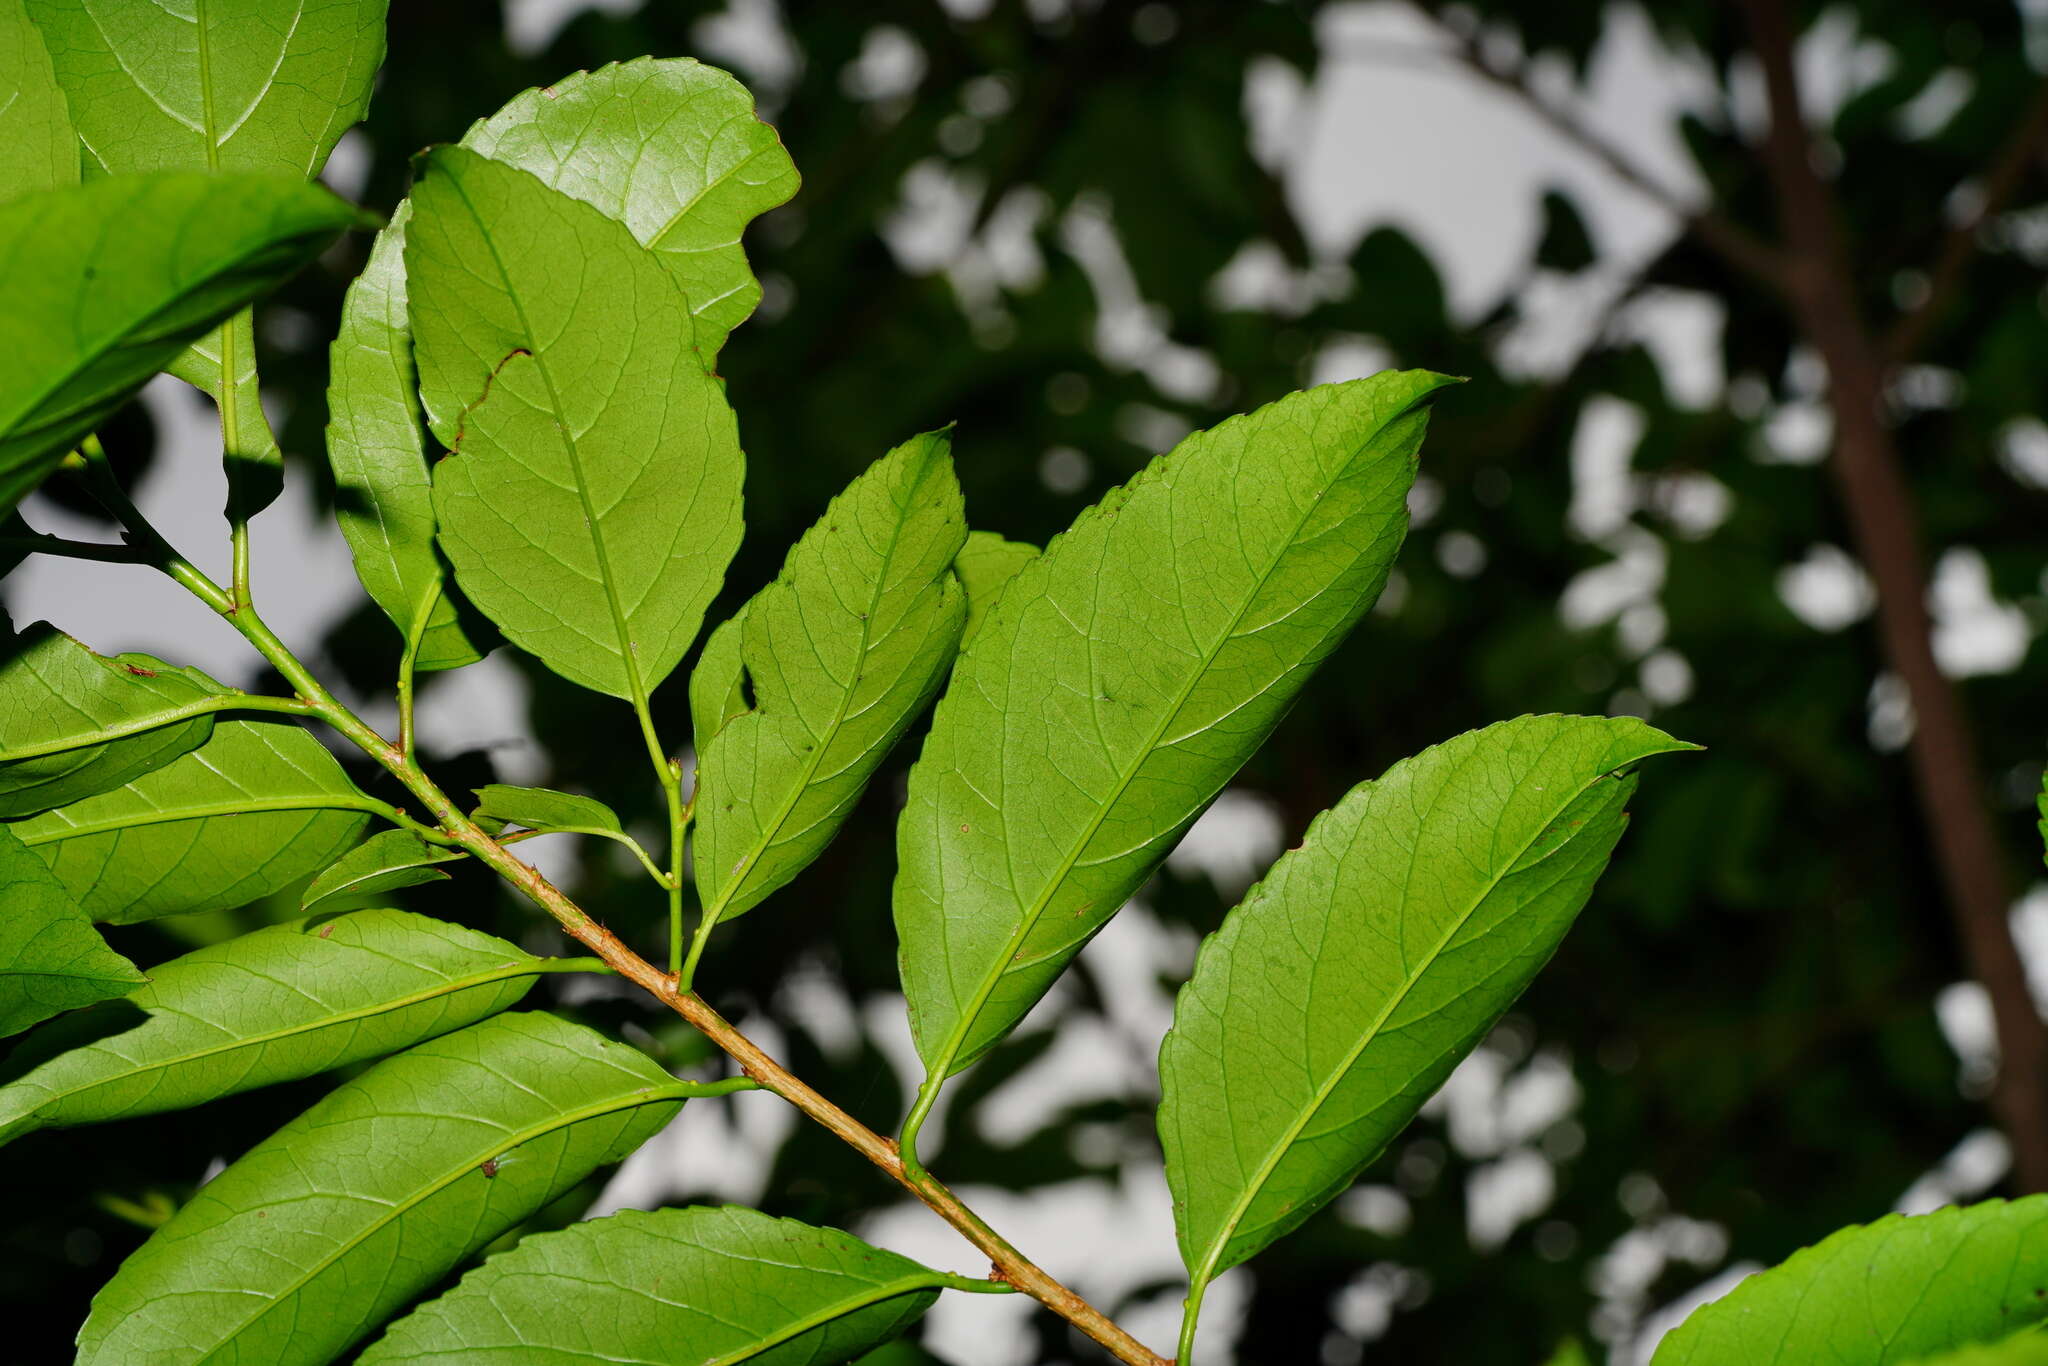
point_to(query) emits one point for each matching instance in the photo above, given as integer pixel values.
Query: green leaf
(57, 699)
(51, 959)
(325, 1228)
(592, 530)
(254, 809)
(231, 85)
(383, 493)
(701, 1285)
(1880, 1294)
(2041, 805)
(540, 808)
(986, 564)
(666, 146)
(2029, 1347)
(1342, 991)
(38, 146)
(1122, 677)
(670, 148)
(222, 365)
(838, 655)
(106, 283)
(274, 1005)
(384, 862)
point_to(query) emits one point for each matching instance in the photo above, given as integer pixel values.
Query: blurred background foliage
(1059, 225)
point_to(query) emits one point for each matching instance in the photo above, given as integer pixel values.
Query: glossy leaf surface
(668, 147)
(257, 807)
(38, 146)
(222, 365)
(51, 958)
(230, 85)
(986, 564)
(233, 85)
(1121, 679)
(2041, 805)
(322, 1230)
(383, 493)
(384, 862)
(672, 149)
(108, 282)
(800, 696)
(592, 530)
(540, 808)
(700, 1285)
(56, 696)
(273, 1005)
(1342, 991)
(2027, 1348)
(1904, 1287)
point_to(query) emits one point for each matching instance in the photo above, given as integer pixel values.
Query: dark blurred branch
(1739, 245)
(33, 543)
(1810, 271)
(1870, 480)
(2008, 171)
(1043, 114)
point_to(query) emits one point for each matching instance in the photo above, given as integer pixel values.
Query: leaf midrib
(54, 974)
(1323, 1092)
(211, 129)
(142, 722)
(204, 812)
(957, 1038)
(653, 1095)
(635, 685)
(451, 987)
(810, 768)
(904, 1285)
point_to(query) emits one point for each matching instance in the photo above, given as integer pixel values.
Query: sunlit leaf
(1342, 991)
(273, 1005)
(1905, 1287)
(592, 530)
(668, 147)
(2026, 1348)
(700, 1285)
(2041, 805)
(231, 85)
(38, 146)
(323, 1229)
(800, 696)
(1122, 677)
(672, 149)
(986, 564)
(383, 494)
